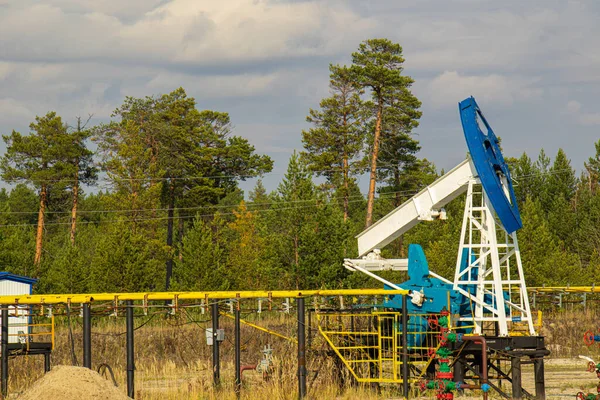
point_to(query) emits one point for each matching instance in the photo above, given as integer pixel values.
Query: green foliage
(592, 167)
(38, 158)
(156, 143)
(526, 177)
(545, 261)
(17, 247)
(203, 263)
(126, 261)
(378, 65)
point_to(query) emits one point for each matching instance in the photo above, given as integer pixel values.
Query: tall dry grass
(564, 332)
(174, 362)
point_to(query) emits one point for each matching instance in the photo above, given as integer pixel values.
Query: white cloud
(12, 110)
(191, 32)
(216, 86)
(265, 61)
(5, 70)
(451, 86)
(575, 109)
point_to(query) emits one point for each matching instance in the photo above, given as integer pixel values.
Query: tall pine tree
(336, 139)
(38, 159)
(378, 65)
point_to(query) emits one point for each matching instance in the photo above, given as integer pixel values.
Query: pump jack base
(505, 357)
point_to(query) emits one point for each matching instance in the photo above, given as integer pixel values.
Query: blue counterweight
(436, 291)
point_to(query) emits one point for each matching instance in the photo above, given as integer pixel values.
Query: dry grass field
(174, 362)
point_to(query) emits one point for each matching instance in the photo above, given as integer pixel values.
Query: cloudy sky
(534, 66)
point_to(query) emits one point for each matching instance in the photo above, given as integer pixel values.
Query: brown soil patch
(72, 383)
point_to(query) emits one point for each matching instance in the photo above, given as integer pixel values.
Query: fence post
(238, 356)
(130, 349)
(4, 349)
(47, 364)
(301, 349)
(215, 327)
(87, 336)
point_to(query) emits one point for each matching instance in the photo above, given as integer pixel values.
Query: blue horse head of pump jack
(439, 295)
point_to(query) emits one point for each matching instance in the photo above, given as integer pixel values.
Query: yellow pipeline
(565, 289)
(177, 296)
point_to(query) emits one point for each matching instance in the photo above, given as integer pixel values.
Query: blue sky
(534, 66)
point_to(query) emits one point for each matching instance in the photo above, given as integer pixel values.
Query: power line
(165, 218)
(249, 204)
(273, 209)
(208, 207)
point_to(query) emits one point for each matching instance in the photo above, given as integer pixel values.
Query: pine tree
(293, 213)
(245, 248)
(337, 136)
(85, 172)
(545, 259)
(126, 261)
(592, 167)
(377, 65)
(561, 180)
(204, 262)
(38, 160)
(172, 154)
(526, 178)
(259, 198)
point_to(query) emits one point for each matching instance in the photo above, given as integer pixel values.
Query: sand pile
(73, 383)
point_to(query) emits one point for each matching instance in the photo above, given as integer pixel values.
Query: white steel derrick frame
(492, 252)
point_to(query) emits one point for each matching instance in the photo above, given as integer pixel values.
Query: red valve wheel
(588, 338)
(433, 322)
(580, 396)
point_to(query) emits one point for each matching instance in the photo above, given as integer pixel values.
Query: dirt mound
(72, 383)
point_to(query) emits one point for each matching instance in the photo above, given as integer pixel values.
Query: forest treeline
(151, 201)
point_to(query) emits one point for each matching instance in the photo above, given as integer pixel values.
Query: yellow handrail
(260, 328)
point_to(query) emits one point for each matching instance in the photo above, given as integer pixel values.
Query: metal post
(309, 341)
(238, 356)
(87, 336)
(404, 347)
(215, 328)
(47, 365)
(538, 371)
(515, 363)
(130, 347)
(459, 370)
(301, 349)
(4, 349)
